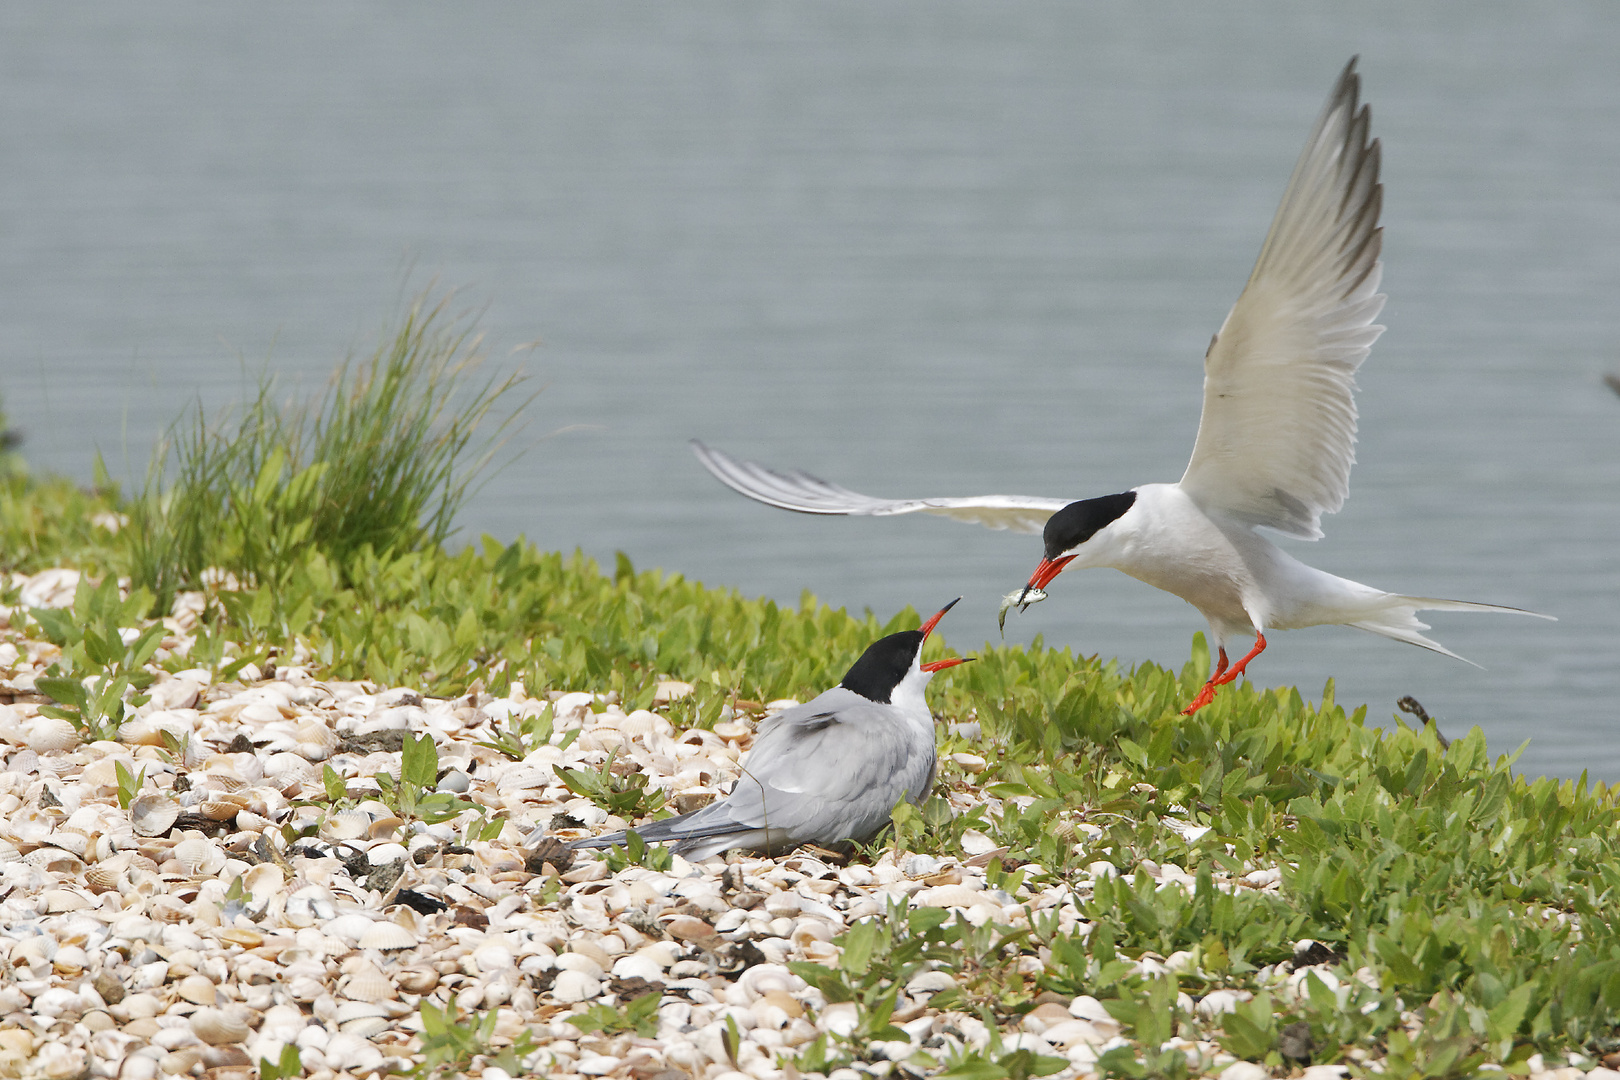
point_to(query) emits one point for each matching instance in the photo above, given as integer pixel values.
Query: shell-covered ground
(195, 896)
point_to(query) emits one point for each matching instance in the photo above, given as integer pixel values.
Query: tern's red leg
(1237, 668)
(1207, 694)
(1222, 675)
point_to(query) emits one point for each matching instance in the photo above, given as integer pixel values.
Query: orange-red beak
(1049, 569)
(928, 628)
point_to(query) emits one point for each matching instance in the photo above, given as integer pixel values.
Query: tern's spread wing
(1278, 432)
(795, 490)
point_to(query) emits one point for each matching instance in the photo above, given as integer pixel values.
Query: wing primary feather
(800, 491)
(1277, 437)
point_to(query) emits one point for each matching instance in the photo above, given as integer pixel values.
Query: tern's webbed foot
(1205, 696)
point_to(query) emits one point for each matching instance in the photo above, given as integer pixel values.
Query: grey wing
(832, 769)
(796, 490)
(1277, 437)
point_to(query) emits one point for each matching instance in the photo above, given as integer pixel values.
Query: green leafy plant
(99, 671)
(485, 828)
(523, 735)
(286, 1067)
(639, 1017)
(413, 794)
(129, 785)
(451, 1043)
(627, 796)
(995, 1062)
(636, 852)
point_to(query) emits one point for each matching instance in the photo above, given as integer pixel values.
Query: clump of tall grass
(383, 460)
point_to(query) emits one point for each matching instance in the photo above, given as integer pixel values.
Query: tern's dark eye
(1079, 521)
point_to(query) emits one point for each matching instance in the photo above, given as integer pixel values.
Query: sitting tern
(826, 772)
(1275, 442)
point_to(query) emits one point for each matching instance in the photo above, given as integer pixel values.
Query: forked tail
(1398, 619)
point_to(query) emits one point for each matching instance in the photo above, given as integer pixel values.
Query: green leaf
(336, 787)
(419, 762)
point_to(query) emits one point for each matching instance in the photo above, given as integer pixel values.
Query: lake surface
(918, 248)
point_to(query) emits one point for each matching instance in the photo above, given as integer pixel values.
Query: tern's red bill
(928, 627)
(1047, 570)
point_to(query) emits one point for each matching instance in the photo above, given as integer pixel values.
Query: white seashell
(30, 826)
(763, 979)
(106, 876)
(316, 741)
(636, 966)
(55, 861)
(45, 734)
(522, 776)
(258, 713)
(418, 980)
(264, 880)
(491, 958)
(367, 984)
(219, 809)
(365, 1026)
(355, 1010)
(49, 588)
(346, 825)
(148, 730)
(639, 724)
(382, 854)
(347, 928)
(200, 857)
(175, 693)
(197, 989)
(387, 935)
(669, 690)
(576, 961)
(384, 828)
(249, 822)
(571, 986)
(287, 772)
(310, 905)
(218, 1028)
(153, 814)
(71, 839)
(573, 704)
(104, 771)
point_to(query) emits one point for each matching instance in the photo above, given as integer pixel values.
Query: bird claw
(1205, 696)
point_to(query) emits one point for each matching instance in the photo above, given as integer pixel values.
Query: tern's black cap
(1079, 521)
(884, 663)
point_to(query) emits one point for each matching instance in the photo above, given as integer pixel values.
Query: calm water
(918, 248)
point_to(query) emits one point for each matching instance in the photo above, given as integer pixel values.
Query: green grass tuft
(383, 461)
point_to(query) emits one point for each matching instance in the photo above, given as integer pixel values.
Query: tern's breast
(1171, 544)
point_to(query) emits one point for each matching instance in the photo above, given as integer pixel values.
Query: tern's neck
(910, 695)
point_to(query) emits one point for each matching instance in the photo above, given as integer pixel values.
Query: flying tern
(1275, 442)
(826, 772)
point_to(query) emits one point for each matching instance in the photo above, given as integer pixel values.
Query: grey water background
(918, 248)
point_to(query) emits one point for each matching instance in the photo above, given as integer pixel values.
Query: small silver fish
(1019, 598)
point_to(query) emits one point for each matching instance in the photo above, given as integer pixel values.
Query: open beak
(928, 627)
(1044, 573)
